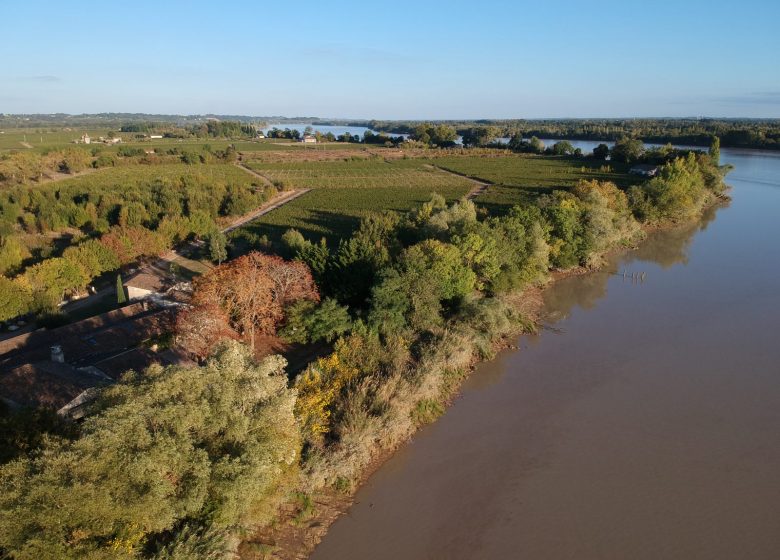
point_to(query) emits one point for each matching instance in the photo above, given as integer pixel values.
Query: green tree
(53, 279)
(627, 150)
(15, 298)
(601, 152)
(306, 321)
(428, 275)
(715, 150)
(120, 290)
(563, 148)
(12, 254)
(175, 444)
(217, 246)
(536, 145)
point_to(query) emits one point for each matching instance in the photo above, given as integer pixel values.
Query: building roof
(644, 167)
(46, 384)
(148, 280)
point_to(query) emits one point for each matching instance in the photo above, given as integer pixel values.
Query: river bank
(303, 524)
(642, 425)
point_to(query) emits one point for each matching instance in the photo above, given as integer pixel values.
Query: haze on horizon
(396, 60)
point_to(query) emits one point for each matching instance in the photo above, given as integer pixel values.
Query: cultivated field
(516, 178)
(373, 172)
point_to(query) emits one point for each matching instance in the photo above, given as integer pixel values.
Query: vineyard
(336, 212)
(517, 178)
(359, 173)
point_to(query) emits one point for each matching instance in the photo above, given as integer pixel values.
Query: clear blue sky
(393, 58)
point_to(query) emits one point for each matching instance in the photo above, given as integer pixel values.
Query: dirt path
(279, 200)
(266, 181)
(478, 188)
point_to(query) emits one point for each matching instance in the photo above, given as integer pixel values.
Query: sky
(393, 59)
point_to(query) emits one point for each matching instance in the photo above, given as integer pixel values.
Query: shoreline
(294, 535)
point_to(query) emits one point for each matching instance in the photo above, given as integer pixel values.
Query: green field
(374, 172)
(515, 178)
(344, 191)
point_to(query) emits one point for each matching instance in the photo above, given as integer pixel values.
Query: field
(358, 173)
(336, 212)
(516, 178)
(120, 179)
(344, 191)
(40, 139)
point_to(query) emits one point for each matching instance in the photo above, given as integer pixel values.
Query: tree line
(733, 133)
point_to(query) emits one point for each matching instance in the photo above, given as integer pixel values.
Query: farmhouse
(260, 136)
(145, 283)
(85, 139)
(309, 139)
(155, 136)
(644, 169)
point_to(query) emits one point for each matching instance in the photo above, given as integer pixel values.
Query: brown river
(644, 423)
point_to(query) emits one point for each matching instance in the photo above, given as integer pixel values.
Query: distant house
(260, 136)
(85, 139)
(149, 151)
(645, 170)
(155, 136)
(309, 139)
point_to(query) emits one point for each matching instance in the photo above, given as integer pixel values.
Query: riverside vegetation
(184, 462)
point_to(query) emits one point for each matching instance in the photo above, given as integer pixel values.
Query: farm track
(478, 188)
(266, 181)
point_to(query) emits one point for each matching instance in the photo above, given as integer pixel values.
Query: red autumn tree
(253, 290)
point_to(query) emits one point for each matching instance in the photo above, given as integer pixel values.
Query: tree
(427, 275)
(15, 297)
(12, 254)
(217, 246)
(172, 445)
(480, 135)
(201, 328)
(601, 152)
(715, 150)
(536, 145)
(253, 291)
(627, 150)
(563, 148)
(120, 290)
(53, 279)
(308, 322)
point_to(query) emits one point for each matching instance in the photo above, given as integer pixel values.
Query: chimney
(57, 355)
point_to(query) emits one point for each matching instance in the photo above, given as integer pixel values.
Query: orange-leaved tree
(251, 292)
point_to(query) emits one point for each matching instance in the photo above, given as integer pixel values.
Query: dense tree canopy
(169, 447)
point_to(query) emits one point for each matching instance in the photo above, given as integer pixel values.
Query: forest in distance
(754, 133)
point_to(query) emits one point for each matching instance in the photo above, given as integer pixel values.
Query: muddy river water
(644, 423)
